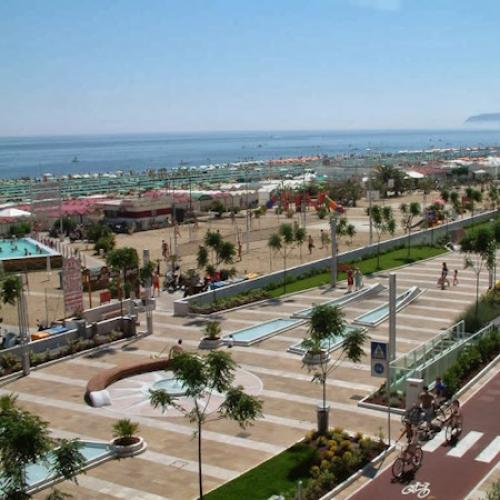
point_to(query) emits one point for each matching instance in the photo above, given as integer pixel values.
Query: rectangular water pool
(26, 254)
(39, 473)
(261, 331)
(328, 345)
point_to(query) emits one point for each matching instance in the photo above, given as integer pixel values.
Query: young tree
(25, 439)
(409, 212)
(214, 252)
(473, 196)
(283, 242)
(299, 235)
(383, 222)
(202, 377)
(480, 250)
(427, 184)
(122, 260)
(327, 326)
(344, 229)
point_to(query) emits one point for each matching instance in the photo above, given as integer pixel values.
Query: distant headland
(484, 118)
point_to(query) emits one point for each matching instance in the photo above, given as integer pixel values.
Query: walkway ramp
(381, 313)
(366, 291)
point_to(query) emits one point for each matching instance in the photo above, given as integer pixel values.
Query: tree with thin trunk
(122, 260)
(327, 327)
(299, 235)
(283, 242)
(202, 377)
(409, 212)
(24, 440)
(473, 196)
(480, 250)
(383, 222)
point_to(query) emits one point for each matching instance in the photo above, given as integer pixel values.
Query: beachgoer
(25, 252)
(439, 389)
(39, 325)
(240, 250)
(323, 238)
(350, 280)
(164, 248)
(455, 277)
(310, 244)
(176, 349)
(156, 283)
(358, 279)
(230, 341)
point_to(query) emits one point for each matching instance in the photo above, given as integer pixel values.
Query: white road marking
(490, 452)
(435, 442)
(465, 444)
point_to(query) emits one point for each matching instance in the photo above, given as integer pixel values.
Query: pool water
(328, 345)
(40, 471)
(258, 332)
(171, 385)
(380, 313)
(19, 247)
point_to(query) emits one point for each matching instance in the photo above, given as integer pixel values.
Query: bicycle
(407, 461)
(422, 490)
(453, 428)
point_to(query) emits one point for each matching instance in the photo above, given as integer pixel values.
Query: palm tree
(409, 212)
(383, 222)
(326, 327)
(201, 378)
(25, 439)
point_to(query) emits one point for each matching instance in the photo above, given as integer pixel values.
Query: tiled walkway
(168, 469)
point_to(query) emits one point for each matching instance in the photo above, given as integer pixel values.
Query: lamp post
(333, 237)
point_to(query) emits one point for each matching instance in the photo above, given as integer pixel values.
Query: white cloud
(387, 5)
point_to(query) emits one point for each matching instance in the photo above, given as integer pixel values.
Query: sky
(125, 66)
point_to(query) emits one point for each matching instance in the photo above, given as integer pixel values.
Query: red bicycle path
(450, 478)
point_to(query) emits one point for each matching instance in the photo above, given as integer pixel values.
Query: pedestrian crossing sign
(379, 359)
(379, 351)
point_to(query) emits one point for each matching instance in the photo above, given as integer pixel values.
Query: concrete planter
(312, 358)
(210, 344)
(128, 450)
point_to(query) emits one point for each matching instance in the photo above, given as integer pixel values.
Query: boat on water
(75, 160)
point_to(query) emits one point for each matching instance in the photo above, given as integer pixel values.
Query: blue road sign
(379, 368)
(379, 350)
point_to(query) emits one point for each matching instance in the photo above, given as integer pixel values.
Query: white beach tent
(14, 213)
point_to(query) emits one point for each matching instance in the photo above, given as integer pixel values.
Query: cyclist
(411, 441)
(455, 418)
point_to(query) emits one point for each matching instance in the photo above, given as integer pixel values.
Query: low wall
(59, 340)
(32, 263)
(427, 236)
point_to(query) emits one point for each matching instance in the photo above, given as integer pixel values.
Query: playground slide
(381, 313)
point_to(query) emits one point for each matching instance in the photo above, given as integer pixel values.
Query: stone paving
(168, 469)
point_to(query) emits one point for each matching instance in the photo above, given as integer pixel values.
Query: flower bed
(320, 462)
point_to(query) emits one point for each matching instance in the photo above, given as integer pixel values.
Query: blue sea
(33, 156)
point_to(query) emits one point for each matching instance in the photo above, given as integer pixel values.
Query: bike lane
(452, 471)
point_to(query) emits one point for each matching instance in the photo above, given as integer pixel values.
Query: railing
(434, 357)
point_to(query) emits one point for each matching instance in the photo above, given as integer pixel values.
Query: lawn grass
(388, 260)
(277, 475)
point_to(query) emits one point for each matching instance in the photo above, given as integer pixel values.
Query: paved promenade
(168, 468)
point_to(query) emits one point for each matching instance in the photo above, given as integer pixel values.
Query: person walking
(350, 280)
(358, 279)
(444, 276)
(323, 238)
(455, 277)
(310, 244)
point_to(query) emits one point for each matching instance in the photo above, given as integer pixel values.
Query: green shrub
(9, 362)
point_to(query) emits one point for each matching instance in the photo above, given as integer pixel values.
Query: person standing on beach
(455, 277)
(322, 238)
(240, 250)
(164, 249)
(310, 244)
(444, 276)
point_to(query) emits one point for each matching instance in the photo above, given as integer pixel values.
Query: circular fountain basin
(172, 386)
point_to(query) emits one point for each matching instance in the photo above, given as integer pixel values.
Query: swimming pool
(252, 334)
(23, 247)
(328, 345)
(27, 254)
(342, 301)
(381, 313)
(39, 473)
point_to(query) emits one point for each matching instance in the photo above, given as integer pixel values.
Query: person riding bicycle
(427, 404)
(411, 440)
(455, 418)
